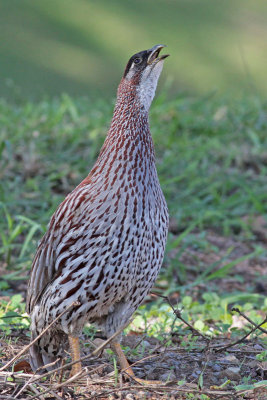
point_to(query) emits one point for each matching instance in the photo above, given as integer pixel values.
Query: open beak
(154, 54)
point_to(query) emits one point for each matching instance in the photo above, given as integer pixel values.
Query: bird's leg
(125, 366)
(75, 354)
(116, 347)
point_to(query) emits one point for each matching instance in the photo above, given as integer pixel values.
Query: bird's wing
(44, 270)
(41, 272)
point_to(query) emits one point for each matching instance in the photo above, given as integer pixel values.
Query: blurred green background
(81, 46)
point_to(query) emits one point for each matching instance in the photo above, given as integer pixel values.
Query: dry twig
(179, 316)
(242, 339)
(60, 385)
(248, 319)
(94, 353)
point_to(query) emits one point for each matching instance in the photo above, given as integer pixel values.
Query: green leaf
(200, 381)
(16, 300)
(199, 325)
(10, 314)
(187, 301)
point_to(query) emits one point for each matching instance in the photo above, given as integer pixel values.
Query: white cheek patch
(148, 84)
(130, 73)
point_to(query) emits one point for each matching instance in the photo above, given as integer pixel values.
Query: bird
(105, 243)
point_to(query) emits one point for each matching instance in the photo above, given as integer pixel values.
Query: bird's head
(142, 73)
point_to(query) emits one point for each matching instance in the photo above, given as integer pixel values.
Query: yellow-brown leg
(75, 355)
(125, 366)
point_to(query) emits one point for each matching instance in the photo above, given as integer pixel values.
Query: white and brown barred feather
(105, 242)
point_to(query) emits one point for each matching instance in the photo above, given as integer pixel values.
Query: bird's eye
(137, 60)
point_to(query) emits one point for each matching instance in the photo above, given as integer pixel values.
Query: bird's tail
(48, 349)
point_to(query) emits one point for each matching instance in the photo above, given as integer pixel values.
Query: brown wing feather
(43, 271)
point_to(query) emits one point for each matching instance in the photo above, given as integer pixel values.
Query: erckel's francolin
(105, 242)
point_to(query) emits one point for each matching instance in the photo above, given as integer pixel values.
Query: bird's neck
(129, 121)
(128, 145)
(129, 128)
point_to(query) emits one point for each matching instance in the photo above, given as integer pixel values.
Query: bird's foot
(143, 382)
(127, 369)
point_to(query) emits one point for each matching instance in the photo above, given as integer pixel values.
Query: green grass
(212, 159)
